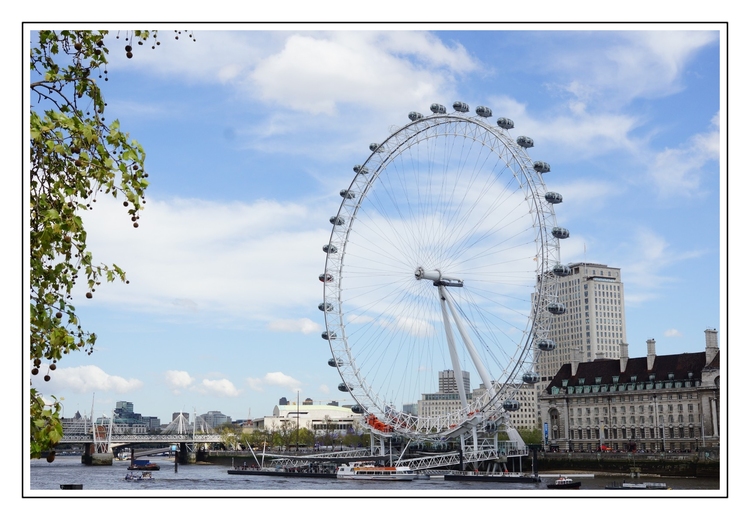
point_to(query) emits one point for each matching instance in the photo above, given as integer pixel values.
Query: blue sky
(250, 133)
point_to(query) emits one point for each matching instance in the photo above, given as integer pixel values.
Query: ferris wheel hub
(437, 277)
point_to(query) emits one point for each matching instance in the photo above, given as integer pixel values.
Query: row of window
(631, 433)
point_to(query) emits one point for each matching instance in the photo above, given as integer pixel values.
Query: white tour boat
(369, 471)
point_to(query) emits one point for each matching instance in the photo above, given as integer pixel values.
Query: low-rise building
(652, 403)
(316, 418)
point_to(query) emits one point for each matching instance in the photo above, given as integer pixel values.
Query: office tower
(447, 382)
(594, 320)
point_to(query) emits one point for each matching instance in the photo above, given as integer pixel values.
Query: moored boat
(369, 471)
(283, 472)
(564, 483)
(143, 465)
(500, 478)
(637, 485)
(146, 475)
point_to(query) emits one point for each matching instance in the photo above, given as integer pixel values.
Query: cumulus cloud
(190, 258)
(91, 378)
(274, 379)
(303, 325)
(672, 333)
(178, 379)
(316, 72)
(219, 387)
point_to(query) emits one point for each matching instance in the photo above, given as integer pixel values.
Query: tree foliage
(75, 156)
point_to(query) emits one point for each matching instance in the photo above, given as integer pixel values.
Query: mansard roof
(679, 365)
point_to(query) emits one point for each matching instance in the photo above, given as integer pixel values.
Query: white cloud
(620, 67)
(303, 325)
(672, 333)
(91, 378)
(323, 389)
(178, 379)
(219, 387)
(274, 379)
(202, 259)
(678, 172)
(651, 256)
(316, 72)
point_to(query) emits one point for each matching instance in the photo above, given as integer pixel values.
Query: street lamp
(297, 420)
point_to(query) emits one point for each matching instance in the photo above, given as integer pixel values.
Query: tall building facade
(447, 383)
(594, 320)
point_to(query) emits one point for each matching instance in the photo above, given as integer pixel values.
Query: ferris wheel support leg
(484, 376)
(452, 348)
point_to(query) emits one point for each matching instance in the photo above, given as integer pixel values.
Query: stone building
(653, 403)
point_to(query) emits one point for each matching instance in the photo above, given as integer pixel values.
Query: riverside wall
(698, 464)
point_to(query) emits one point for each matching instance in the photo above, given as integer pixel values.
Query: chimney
(712, 345)
(623, 356)
(576, 359)
(651, 354)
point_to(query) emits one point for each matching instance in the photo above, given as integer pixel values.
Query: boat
(564, 483)
(369, 471)
(500, 478)
(283, 472)
(146, 475)
(143, 465)
(637, 485)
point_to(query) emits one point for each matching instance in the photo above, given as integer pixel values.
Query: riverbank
(703, 464)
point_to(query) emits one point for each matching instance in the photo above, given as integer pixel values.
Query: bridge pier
(91, 458)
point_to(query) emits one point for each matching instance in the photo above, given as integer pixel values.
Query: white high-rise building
(593, 325)
(447, 383)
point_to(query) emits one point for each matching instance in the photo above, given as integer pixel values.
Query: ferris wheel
(441, 272)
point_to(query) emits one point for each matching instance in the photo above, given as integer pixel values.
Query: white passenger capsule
(553, 197)
(525, 142)
(484, 111)
(506, 123)
(546, 345)
(337, 220)
(437, 108)
(460, 106)
(511, 405)
(335, 362)
(414, 116)
(556, 308)
(541, 166)
(346, 194)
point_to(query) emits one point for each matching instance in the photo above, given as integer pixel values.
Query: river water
(43, 479)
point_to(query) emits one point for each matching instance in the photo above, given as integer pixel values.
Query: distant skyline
(250, 133)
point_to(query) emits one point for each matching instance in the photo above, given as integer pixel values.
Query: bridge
(117, 440)
(101, 444)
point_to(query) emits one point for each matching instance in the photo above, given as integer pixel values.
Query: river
(44, 479)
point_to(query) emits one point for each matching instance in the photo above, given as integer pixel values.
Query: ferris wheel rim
(353, 381)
